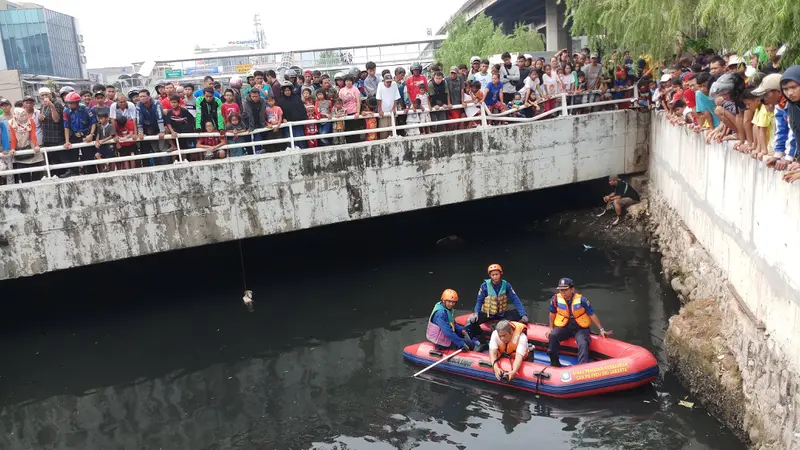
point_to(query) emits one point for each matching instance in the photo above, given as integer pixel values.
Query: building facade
(39, 41)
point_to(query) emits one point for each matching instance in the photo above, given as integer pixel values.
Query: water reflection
(318, 364)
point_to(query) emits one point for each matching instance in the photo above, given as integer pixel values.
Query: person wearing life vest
(509, 340)
(571, 314)
(442, 329)
(492, 304)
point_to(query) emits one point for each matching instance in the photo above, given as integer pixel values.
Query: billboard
(202, 70)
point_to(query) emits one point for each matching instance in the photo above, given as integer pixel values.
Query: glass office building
(39, 41)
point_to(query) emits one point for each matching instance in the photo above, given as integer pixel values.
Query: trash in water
(248, 300)
(721, 357)
(430, 273)
(587, 247)
(689, 405)
(451, 239)
(646, 401)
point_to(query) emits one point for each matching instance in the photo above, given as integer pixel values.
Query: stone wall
(87, 220)
(727, 228)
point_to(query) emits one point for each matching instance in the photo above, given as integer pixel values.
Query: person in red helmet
(492, 303)
(442, 329)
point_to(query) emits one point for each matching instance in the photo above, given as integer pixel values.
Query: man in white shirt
(509, 339)
(483, 77)
(593, 72)
(387, 95)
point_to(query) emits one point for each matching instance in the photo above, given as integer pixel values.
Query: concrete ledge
(80, 221)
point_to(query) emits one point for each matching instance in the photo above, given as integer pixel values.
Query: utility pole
(259, 31)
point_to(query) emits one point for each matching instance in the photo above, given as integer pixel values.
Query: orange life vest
(563, 310)
(510, 349)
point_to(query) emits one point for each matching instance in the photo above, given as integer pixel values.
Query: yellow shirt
(764, 118)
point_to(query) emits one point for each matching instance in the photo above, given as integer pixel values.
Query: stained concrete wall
(739, 247)
(88, 220)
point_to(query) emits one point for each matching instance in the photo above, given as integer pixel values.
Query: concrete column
(556, 37)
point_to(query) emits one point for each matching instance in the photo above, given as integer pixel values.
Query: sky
(107, 45)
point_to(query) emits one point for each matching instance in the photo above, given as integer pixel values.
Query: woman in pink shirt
(351, 99)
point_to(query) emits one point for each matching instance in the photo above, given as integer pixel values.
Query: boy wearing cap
(105, 136)
(455, 94)
(475, 66)
(5, 109)
(571, 315)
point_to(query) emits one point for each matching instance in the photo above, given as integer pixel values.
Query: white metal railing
(178, 154)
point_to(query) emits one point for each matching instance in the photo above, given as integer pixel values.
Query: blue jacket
(482, 293)
(785, 143)
(440, 319)
(4, 136)
(150, 117)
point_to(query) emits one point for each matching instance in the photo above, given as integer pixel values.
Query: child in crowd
(126, 141)
(338, 112)
(604, 96)
(230, 106)
(308, 101)
(762, 122)
(580, 88)
(425, 106)
(212, 144)
(473, 99)
(236, 126)
(413, 118)
(7, 157)
(274, 120)
(516, 104)
(322, 108)
(311, 129)
(105, 135)
(370, 121)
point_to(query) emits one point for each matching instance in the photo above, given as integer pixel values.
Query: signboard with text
(243, 68)
(202, 70)
(173, 73)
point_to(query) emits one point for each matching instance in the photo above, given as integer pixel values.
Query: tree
(481, 37)
(660, 28)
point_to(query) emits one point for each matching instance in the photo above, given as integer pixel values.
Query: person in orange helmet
(492, 304)
(442, 329)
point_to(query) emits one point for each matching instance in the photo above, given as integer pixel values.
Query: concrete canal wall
(87, 220)
(728, 230)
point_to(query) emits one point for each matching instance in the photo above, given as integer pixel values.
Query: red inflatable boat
(615, 366)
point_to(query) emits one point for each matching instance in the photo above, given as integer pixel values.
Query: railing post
(178, 146)
(394, 125)
(484, 112)
(564, 108)
(46, 163)
(291, 136)
(635, 99)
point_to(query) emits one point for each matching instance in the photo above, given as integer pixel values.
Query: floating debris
(586, 247)
(686, 404)
(248, 301)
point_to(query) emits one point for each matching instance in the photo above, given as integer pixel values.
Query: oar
(438, 362)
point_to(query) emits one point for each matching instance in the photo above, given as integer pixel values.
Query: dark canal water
(160, 353)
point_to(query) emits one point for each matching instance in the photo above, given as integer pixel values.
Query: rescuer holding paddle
(442, 329)
(492, 304)
(571, 315)
(509, 340)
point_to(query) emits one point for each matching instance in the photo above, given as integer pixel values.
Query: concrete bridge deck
(50, 226)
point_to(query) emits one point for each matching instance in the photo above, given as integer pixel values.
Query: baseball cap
(565, 283)
(771, 82)
(45, 90)
(475, 59)
(454, 69)
(666, 77)
(387, 77)
(594, 55)
(28, 97)
(528, 56)
(4, 101)
(735, 61)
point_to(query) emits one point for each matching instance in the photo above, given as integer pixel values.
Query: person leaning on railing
(51, 120)
(79, 126)
(23, 137)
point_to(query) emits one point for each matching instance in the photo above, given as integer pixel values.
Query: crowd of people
(266, 107)
(748, 101)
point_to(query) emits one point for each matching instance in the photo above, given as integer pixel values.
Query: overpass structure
(547, 16)
(84, 220)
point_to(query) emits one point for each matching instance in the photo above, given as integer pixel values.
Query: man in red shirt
(415, 82)
(165, 94)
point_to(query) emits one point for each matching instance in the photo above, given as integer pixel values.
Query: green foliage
(482, 38)
(660, 28)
